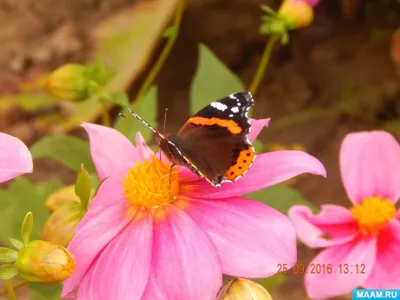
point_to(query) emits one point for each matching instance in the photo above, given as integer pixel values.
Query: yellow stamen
(373, 214)
(151, 184)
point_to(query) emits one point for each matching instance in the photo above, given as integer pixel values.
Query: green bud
(243, 289)
(62, 196)
(83, 187)
(59, 227)
(69, 82)
(7, 255)
(7, 272)
(26, 228)
(44, 262)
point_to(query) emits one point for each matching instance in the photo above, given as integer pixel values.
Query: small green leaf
(7, 255)
(280, 197)
(212, 81)
(26, 228)
(7, 272)
(265, 8)
(44, 292)
(146, 108)
(68, 150)
(83, 187)
(16, 243)
(171, 32)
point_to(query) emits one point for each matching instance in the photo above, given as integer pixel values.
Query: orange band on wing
(231, 125)
(243, 163)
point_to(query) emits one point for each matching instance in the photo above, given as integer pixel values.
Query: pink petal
(335, 221)
(109, 192)
(268, 169)
(123, 266)
(252, 239)
(15, 158)
(144, 152)
(92, 234)
(111, 151)
(369, 163)
(322, 283)
(384, 275)
(256, 127)
(185, 263)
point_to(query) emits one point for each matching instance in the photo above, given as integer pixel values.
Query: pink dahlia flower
(362, 243)
(15, 158)
(150, 234)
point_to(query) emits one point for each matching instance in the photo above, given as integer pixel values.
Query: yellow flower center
(373, 214)
(151, 184)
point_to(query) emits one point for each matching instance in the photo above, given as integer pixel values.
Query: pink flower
(15, 158)
(154, 234)
(362, 243)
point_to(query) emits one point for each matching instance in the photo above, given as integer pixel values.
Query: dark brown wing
(215, 141)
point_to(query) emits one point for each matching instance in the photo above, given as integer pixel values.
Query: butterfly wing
(215, 142)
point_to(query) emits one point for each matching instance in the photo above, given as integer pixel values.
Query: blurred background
(338, 75)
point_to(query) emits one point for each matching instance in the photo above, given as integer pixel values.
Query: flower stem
(164, 54)
(10, 290)
(105, 115)
(263, 64)
(17, 286)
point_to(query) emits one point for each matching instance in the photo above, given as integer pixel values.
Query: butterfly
(214, 142)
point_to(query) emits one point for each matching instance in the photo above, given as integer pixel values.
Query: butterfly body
(213, 143)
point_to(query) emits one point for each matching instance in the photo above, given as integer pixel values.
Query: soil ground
(334, 58)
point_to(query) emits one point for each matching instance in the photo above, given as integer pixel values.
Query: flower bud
(297, 13)
(69, 82)
(59, 227)
(243, 289)
(44, 262)
(61, 196)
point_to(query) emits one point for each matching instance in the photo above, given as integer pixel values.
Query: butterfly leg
(170, 176)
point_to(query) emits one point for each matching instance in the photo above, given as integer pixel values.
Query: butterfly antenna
(122, 115)
(142, 120)
(165, 122)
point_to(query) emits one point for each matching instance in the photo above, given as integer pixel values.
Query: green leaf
(258, 146)
(83, 187)
(16, 243)
(170, 32)
(265, 8)
(280, 197)
(45, 292)
(8, 272)
(7, 255)
(146, 108)
(212, 81)
(20, 197)
(26, 228)
(68, 150)
(272, 283)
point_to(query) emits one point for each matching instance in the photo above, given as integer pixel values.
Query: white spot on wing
(219, 106)
(230, 116)
(232, 96)
(235, 109)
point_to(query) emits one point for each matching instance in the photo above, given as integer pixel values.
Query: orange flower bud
(296, 13)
